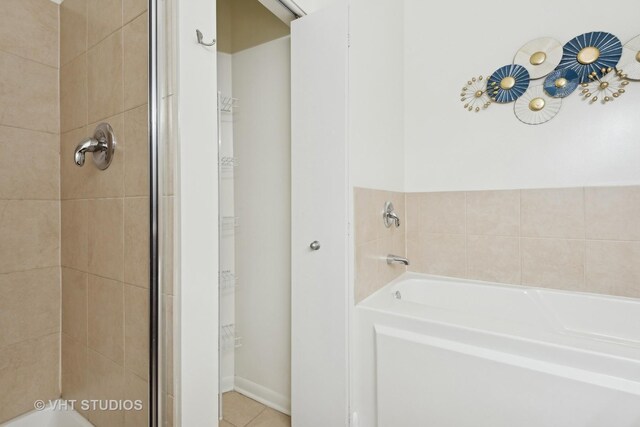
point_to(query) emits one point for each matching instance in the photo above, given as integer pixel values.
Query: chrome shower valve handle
(102, 145)
(389, 216)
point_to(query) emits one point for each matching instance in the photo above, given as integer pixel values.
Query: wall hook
(199, 36)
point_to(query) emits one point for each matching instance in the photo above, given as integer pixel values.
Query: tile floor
(240, 411)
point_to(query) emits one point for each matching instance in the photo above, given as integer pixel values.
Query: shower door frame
(154, 238)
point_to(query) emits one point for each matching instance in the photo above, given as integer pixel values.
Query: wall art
(596, 62)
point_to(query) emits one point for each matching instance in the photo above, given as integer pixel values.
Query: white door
(319, 213)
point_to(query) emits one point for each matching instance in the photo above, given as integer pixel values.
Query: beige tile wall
(104, 255)
(373, 241)
(580, 239)
(29, 205)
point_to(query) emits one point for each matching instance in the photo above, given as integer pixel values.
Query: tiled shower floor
(240, 411)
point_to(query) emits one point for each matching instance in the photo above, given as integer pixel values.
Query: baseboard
(263, 395)
(226, 384)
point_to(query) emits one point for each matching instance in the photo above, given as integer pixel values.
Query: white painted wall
(227, 237)
(376, 94)
(262, 146)
(447, 148)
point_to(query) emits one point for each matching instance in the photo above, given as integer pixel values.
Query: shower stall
(87, 143)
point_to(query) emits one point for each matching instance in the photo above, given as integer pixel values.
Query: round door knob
(315, 245)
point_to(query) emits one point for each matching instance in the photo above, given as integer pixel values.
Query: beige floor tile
(240, 410)
(270, 418)
(224, 423)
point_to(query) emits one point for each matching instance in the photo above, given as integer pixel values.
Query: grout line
(24, 58)
(122, 112)
(29, 270)
(28, 200)
(87, 47)
(254, 418)
(29, 130)
(34, 338)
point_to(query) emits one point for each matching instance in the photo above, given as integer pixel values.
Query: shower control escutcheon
(102, 145)
(389, 216)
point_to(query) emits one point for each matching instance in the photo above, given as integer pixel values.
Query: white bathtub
(438, 352)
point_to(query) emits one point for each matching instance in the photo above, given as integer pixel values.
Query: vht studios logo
(89, 405)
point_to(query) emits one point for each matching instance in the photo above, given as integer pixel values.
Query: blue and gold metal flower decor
(591, 52)
(593, 61)
(508, 83)
(561, 83)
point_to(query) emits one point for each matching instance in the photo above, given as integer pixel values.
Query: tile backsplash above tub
(579, 239)
(373, 241)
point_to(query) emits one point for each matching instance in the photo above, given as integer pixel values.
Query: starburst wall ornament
(474, 95)
(605, 86)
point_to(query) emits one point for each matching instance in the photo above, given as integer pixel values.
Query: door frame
(196, 326)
